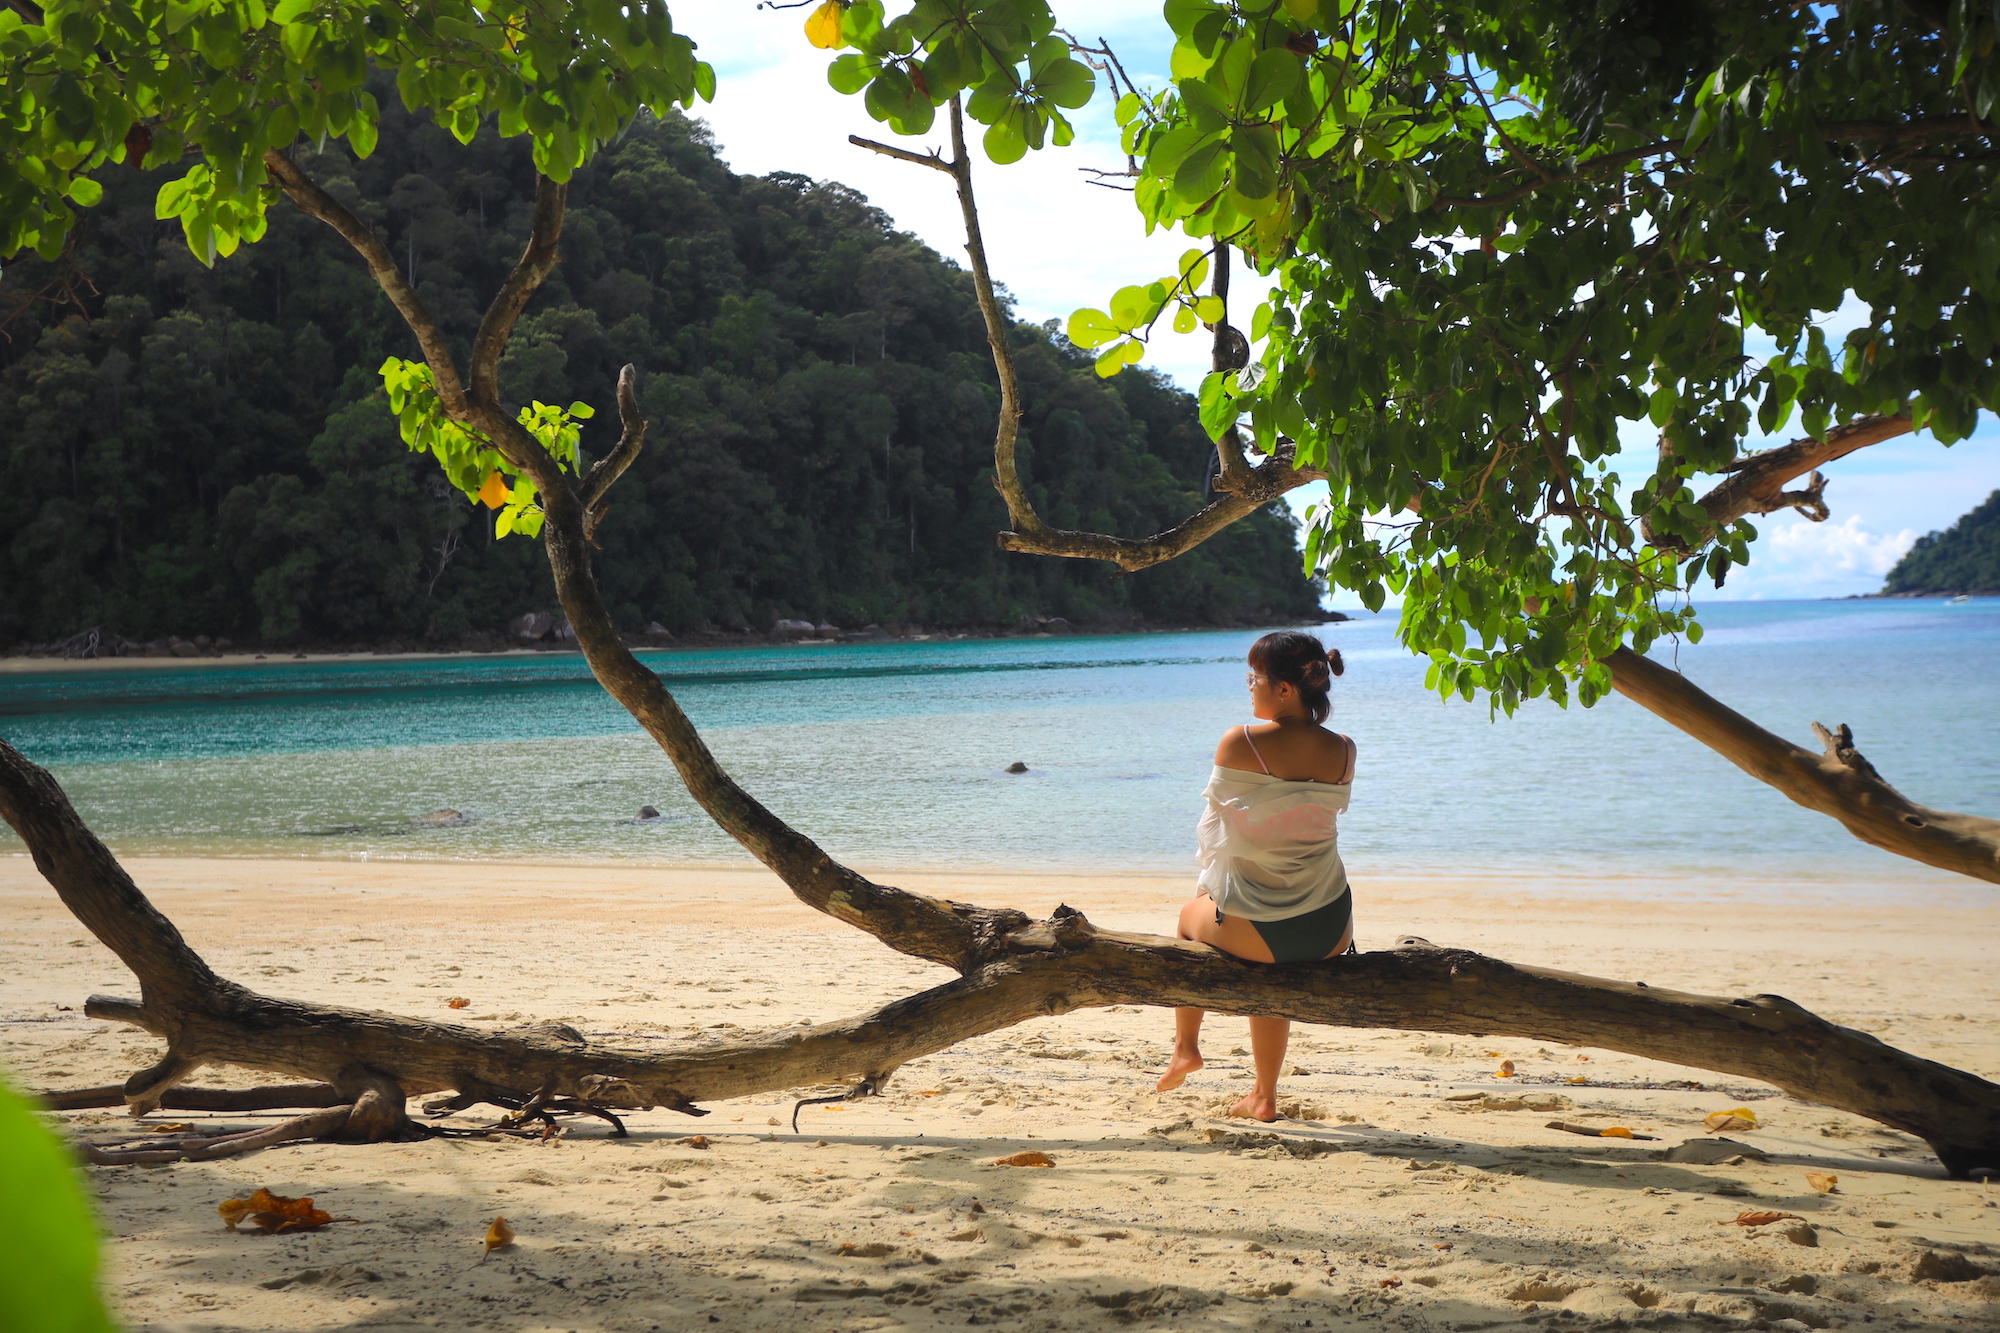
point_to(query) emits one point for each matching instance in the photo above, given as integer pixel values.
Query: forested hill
(192, 451)
(1963, 558)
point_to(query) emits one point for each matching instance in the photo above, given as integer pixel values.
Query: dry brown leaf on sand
(1823, 1182)
(1392, 1282)
(1028, 1158)
(1759, 1219)
(694, 1141)
(1720, 1122)
(458, 1002)
(499, 1236)
(271, 1213)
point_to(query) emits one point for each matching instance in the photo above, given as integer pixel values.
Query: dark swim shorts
(1310, 936)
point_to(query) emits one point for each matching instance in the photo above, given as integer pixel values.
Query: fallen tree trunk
(1030, 969)
(1838, 782)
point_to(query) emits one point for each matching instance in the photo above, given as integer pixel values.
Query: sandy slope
(1391, 1205)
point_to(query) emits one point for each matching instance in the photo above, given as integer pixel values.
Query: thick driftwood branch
(1756, 484)
(1031, 969)
(311, 199)
(535, 264)
(1839, 783)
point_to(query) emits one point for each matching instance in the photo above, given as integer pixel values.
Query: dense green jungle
(209, 452)
(1965, 557)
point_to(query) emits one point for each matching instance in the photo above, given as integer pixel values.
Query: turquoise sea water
(893, 754)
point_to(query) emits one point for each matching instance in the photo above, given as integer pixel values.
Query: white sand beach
(1384, 1201)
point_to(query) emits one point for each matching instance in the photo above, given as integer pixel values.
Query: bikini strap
(1254, 750)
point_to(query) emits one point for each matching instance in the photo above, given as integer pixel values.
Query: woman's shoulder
(1234, 751)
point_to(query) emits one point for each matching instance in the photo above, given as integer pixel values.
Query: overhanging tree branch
(1247, 489)
(1838, 783)
(1757, 482)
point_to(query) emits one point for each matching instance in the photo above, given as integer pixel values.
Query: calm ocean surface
(893, 754)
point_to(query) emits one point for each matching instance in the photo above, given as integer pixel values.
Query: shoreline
(1410, 1183)
(24, 664)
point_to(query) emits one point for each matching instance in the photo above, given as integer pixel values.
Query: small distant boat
(1962, 597)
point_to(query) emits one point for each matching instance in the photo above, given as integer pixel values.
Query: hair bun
(1333, 662)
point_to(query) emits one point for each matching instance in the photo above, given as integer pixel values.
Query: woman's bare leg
(1268, 1039)
(1187, 1049)
(1233, 936)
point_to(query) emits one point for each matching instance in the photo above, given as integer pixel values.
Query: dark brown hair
(1300, 660)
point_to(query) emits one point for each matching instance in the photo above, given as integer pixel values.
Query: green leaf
(85, 191)
(1004, 141)
(1202, 173)
(1273, 75)
(290, 11)
(1091, 328)
(1111, 360)
(1067, 83)
(853, 72)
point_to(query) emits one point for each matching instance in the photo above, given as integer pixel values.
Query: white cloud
(1795, 557)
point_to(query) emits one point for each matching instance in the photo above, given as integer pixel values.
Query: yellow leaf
(1740, 1118)
(1614, 1132)
(1579, 1079)
(499, 1236)
(1825, 1182)
(494, 493)
(1506, 1069)
(823, 26)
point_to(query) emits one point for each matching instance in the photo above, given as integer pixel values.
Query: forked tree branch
(1247, 489)
(1756, 484)
(605, 475)
(534, 265)
(1838, 783)
(302, 190)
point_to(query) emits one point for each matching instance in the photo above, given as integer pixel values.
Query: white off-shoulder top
(1269, 849)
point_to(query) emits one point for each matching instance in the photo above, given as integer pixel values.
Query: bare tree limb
(1757, 482)
(312, 200)
(1248, 489)
(611, 467)
(1838, 783)
(932, 160)
(534, 265)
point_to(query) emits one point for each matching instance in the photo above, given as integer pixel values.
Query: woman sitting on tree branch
(1273, 889)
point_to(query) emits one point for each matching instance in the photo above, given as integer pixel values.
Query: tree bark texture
(1838, 782)
(1019, 970)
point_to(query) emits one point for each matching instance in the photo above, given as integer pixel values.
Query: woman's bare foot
(1257, 1106)
(1177, 1071)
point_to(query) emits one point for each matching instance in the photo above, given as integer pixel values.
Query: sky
(1058, 243)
